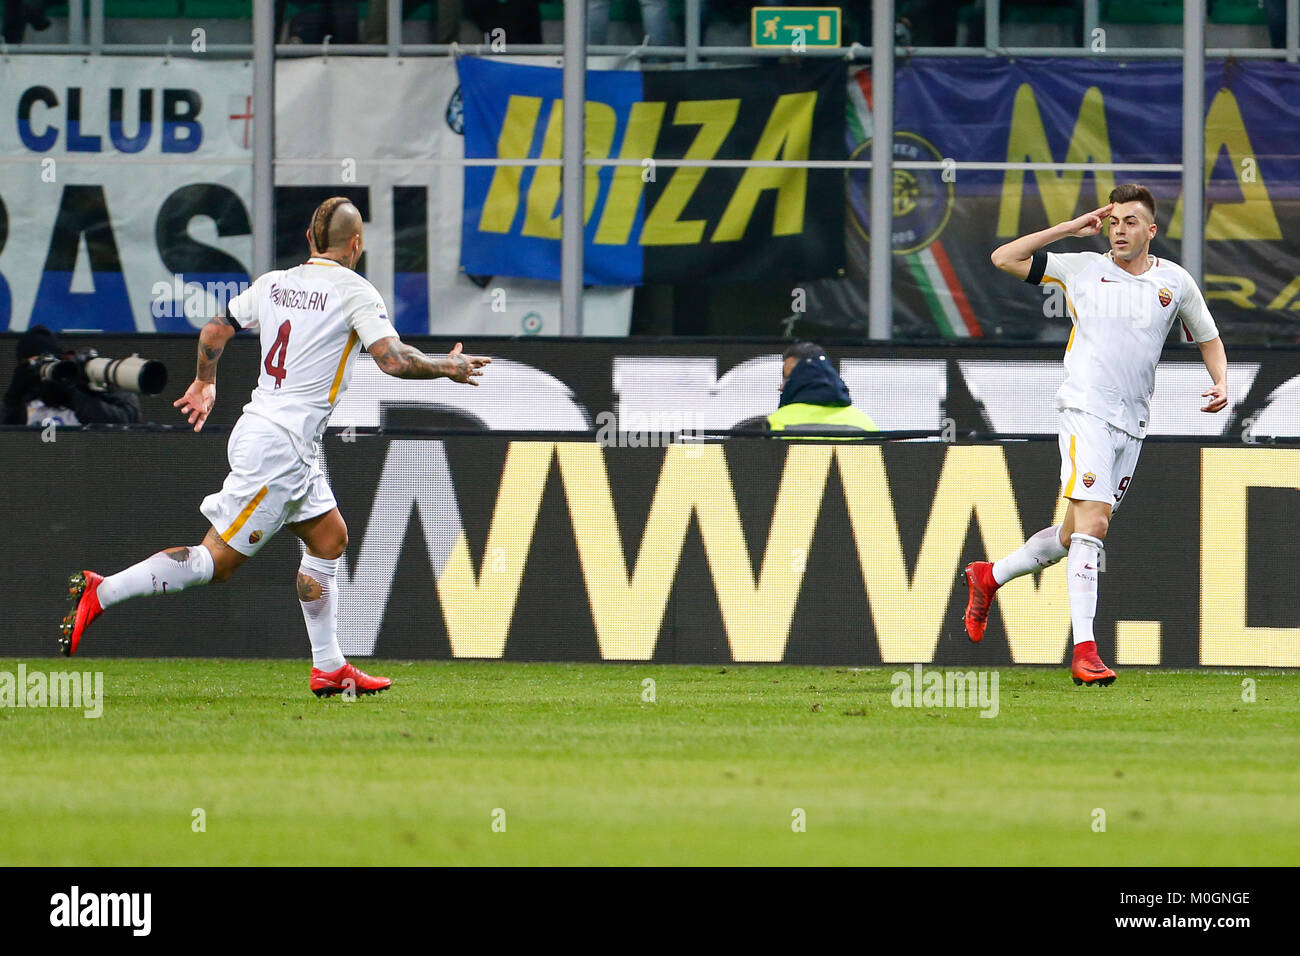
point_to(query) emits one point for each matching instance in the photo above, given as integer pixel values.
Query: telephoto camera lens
(60, 371)
(134, 374)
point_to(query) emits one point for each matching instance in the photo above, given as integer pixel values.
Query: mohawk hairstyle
(320, 221)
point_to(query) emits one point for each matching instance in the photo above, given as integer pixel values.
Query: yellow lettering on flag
(787, 135)
(628, 183)
(513, 142)
(1288, 298)
(542, 215)
(1239, 290)
(664, 225)
(1253, 216)
(1027, 142)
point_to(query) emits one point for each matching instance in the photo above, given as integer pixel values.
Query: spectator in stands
(30, 400)
(444, 27)
(1276, 10)
(655, 20)
(814, 397)
(930, 22)
(317, 19)
(520, 19)
(18, 14)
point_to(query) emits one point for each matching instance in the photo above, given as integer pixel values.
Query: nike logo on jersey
(1104, 279)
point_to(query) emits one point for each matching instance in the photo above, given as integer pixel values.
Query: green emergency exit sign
(794, 26)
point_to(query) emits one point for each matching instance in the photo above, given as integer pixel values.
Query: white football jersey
(1121, 322)
(313, 320)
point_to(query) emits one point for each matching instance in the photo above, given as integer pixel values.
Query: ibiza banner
(947, 219)
(646, 222)
(400, 165)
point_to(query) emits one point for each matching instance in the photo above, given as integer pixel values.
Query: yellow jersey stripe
(244, 516)
(353, 339)
(1069, 305)
(1074, 469)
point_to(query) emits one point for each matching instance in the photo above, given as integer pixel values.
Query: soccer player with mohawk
(313, 321)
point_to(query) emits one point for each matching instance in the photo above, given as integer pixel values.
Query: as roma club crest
(256, 536)
(1166, 297)
(1088, 479)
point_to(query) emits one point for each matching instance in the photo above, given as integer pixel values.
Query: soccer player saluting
(1123, 304)
(312, 320)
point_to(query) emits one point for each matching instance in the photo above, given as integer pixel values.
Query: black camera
(134, 374)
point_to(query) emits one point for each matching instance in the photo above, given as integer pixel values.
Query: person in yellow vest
(814, 398)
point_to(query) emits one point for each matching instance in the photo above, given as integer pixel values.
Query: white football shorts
(269, 486)
(1097, 459)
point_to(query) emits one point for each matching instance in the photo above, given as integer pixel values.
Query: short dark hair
(1133, 192)
(803, 350)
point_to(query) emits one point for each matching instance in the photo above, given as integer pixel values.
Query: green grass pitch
(587, 772)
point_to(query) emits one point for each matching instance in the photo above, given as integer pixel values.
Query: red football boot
(344, 680)
(979, 579)
(1087, 667)
(83, 591)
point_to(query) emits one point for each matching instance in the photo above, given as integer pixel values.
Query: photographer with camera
(70, 388)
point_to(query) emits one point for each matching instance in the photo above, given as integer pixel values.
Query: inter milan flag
(646, 222)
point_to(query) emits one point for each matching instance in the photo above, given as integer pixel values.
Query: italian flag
(930, 268)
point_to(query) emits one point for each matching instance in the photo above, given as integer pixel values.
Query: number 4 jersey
(312, 320)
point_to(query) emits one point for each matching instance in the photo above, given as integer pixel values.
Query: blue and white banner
(126, 193)
(124, 190)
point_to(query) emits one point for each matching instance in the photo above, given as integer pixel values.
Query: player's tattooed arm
(400, 360)
(1016, 256)
(212, 342)
(197, 402)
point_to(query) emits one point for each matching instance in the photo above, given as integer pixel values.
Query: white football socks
(164, 573)
(1040, 551)
(320, 609)
(1081, 569)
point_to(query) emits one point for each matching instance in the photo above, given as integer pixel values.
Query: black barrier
(762, 550)
(584, 385)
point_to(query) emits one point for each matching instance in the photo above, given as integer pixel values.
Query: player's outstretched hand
(465, 368)
(1091, 223)
(197, 402)
(1219, 401)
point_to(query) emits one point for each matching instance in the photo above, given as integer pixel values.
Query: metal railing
(87, 16)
